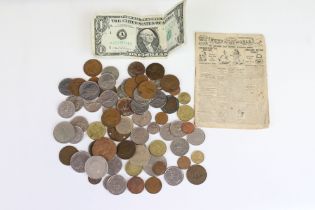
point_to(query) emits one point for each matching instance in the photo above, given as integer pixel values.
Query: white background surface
(42, 42)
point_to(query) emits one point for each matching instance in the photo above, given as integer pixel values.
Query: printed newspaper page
(231, 81)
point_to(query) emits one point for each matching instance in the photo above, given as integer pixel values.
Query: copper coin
(136, 68)
(104, 147)
(161, 118)
(115, 135)
(135, 185)
(183, 162)
(188, 127)
(126, 149)
(130, 86)
(74, 86)
(159, 168)
(153, 185)
(196, 174)
(111, 117)
(94, 181)
(155, 71)
(147, 90)
(171, 105)
(66, 153)
(141, 78)
(94, 79)
(92, 67)
(123, 106)
(169, 83)
(175, 92)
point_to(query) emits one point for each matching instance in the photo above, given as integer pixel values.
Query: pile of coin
(122, 136)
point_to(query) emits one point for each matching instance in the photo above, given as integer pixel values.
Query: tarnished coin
(96, 130)
(153, 128)
(105, 181)
(185, 113)
(147, 89)
(141, 156)
(183, 162)
(175, 92)
(64, 132)
(142, 119)
(74, 86)
(153, 185)
(165, 132)
(136, 68)
(159, 168)
(188, 127)
(94, 79)
(89, 90)
(176, 128)
(148, 166)
(169, 83)
(196, 174)
(141, 78)
(66, 109)
(90, 147)
(94, 181)
(120, 90)
(111, 117)
(125, 125)
(135, 185)
(114, 135)
(106, 81)
(108, 98)
(158, 84)
(126, 149)
(139, 135)
(104, 147)
(173, 175)
(111, 70)
(184, 98)
(138, 108)
(129, 86)
(114, 165)
(92, 106)
(63, 86)
(92, 67)
(81, 122)
(197, 137)
(197, 156)
(132, 169)
(66, 153)
(78, 135)
(78, 160)
(116, 184)
(77, 101)
(179, 146)
(123, 106)
(157, 148)
(155, 71)
(161, 118)
(171, 105)
(159, 99)
(96, 167)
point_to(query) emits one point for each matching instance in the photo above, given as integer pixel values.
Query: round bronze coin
(111, 117)
(196, 174)
(183, 162)
(141, 78)
(66, 153)
(74, 86)
(136, 68)
(187, 127)
(115, 135)
(161, 118)
(153, 185)
(104, 147)
(169, 83)
(92, 67)
(130, 86)
(147, 89)
(126, 149)
(135, 185)
(155, 71)
(171, 105)
(159, 168)
(94, 79)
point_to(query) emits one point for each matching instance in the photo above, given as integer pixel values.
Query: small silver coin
(105, 181)
(165, 132)
(114, 165)
(111, 70)
(141, 156)
(64, 132)
(153, 159)
(63, 87)
(89, 90)
(176, 129)
(142, 119)
(106, 81)
(179, 147)
(124, 126)
(78, 159)
(138, 108)
(81, 122)
(108, 98)
(139, 135)
(96, 167)
(197, 137)
(159, 100)
(173, 175)
(66, 109)
(139, 99)
(153, 128)
(92, 106)
(116, 184)
(77, 101)
(78, 135)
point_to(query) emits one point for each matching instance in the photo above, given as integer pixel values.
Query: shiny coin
(157, 148)
(89, 90)
(149, 165)
(139, 135)
(81, 122)
(153, 185)
(108, 98)
(96, 130)
(142, 119)
(173, 175)
(141, 156)
(78, 160)
(64, 132)
(111, 117)
(155, 71)
(107, 81)
(135, 185)
(197, 137)
(66, 153)
(96, 167)
(176, 129)
(92, 106)
(184, 98)
(159, 168)
(138, 108)
(66, 109)
(159, 100)
(188, 127)
(196, 174)
(129, 86)
(161, 118)
(92, 67)
(116, 184)
(111, 70)
(132, 170)
(104, 147)
(183, 162)
(171, 105)
(77, 101)
(114, 135)
(136, 68)
(185, 113)
(78, 135)
(165, 132)
(123, 106)
(126, 149)
(179, 146)
(197, 157)
(147, 89)
(74, 86)
(153, 128)
(125, 125)
(169, 83)
(94, 181)
(63, 87)
(114, 165)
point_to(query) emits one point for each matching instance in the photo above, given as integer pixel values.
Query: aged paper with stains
(231, 81)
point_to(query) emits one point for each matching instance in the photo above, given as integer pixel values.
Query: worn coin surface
(104, 147)
(184, 98)
(96, 167)
(78, 135)
(197, 156)
(197, 137)
(149, 165)
(161, 118)
(64, 132)
(114, 135)
(74, 86)
(153, 185)
(139, 135)
(183, 162)
(142, 119)
(125, 126)
(171, 105)
(66, 153)
(196, 174)
(138, 108)
(135, 185)
(157, 148)
(94, 181)
(111, 70)
(81, 122)
(136, 68)
(129, 86)
(188, 127)
(153, 128)
(66, 109)
(89, 90)
(185, 113)
(136, 97)
(94, 79)
(173, 175)
(116, 184)
(159, 99)
(108, 98)
(96, 130)
(141, 156)
(114, 165)
(141, 78)
(106, 81)
(176, 128)
(123, 106)
(147, 89)
(179, 147)
(169, 83)
(132, 169)
(92, 67)
(165, 132)
(92, 106)
(63, 86)
(111, 117)
(126, 149)
(159, 168)
(77, 101)
(155, 71)
(105, 181)
(78, 160)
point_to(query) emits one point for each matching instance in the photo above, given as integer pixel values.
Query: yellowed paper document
(231, 81)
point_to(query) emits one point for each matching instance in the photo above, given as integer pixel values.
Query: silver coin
(81, 122)
(63, 87)
(89, 90)
(77, 101)
(96, 167)
(92, 106)
(176, 129)
(108, 98)
(116, 184)
(179, 147)
(64, 132)
(106, 81)
(139, 135)
(78, 159)
(138, 108)
(139, 99)
(159, 100)
(173, 175)
(120, 90)
(165, 132)
(148, 167)
(111, 70)
(153, 128)
(78, 135)
(141, 156)
(114, 165)
(124, 126)
(142, 119)
(66, 109)
(197, 137)
(105, 181)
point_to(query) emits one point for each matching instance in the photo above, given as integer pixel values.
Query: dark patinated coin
(64, 86)
(94, 181)
(171, 105)
(153, 185)
(155, 71)
(74, 86)
(66, 153)
(196, 174)
(135, 185)
(123, 106)
(126, 149)
(115, 135)
(92, 67)
(136, 68)
(169, 83)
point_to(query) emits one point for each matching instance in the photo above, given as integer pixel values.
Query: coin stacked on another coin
(122, 135)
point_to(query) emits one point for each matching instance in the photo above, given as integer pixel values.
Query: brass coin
(159, 168)
(197, 156)
(169, 83)
(188, 127)
(136, 68)
(135, 185)
(184, 98)
(92, 67)
(141, 78)
(115, 135)
(153, 185)
(161, 118)
(111, 117)
(196, 174)
(183, 162)
(157, 148)
(147, 90)
(130, 86)
(126, 149)
(104, 147)
(132, 169)
(66, 153)
(96, 130)
(74, 86)
(185, 113)
(155, 71)
(171, 105)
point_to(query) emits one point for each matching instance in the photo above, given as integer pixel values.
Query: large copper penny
(171, 105)
(188, 127)
(155, 71)
(111, 117)
(153, 185)
(161, 118)
(126, 149)
(123, 106)
(130, 86)
(136, 68)
(169, 83)
(147, 89)
(159, 168)
(196, 174)
(115, 135)
(183, 162)
(104, 147)
(92, 67)
(74, 86)
(135, 185)
(66, 153)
